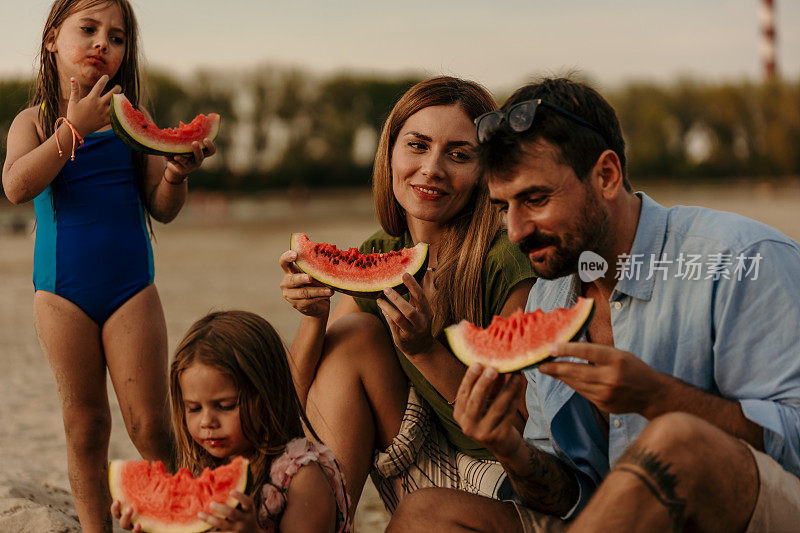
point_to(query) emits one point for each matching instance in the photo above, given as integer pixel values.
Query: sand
(217, 255)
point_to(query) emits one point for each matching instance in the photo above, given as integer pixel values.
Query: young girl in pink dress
(232, 395)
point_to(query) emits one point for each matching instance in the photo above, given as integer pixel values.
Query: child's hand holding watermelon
(240, 520)
(180, 166)
(125, 521)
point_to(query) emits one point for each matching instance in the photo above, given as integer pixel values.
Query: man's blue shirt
(734, 332)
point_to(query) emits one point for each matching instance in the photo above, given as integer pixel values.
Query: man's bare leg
(682, 473)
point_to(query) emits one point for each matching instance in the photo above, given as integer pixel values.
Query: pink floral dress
(298, 453)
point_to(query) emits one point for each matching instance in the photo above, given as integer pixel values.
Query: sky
(501, 43)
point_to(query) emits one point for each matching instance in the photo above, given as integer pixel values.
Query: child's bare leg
(358, 396)
(135, 343)
(71, 341)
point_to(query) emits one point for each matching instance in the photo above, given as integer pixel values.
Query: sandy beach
(218, 255)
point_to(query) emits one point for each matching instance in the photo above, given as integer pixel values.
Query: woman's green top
(504, 267)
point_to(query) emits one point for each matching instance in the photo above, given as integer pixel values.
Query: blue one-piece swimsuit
(95, 249)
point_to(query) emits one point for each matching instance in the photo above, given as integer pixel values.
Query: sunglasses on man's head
(520, 118)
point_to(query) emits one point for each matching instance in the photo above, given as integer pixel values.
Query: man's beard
(590, 232)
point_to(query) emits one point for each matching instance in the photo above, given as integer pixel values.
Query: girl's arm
(166, 188)
(31, 164)
(310, 503)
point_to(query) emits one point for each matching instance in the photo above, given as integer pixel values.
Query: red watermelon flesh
(132, 126)
(521, 339)
(165, 503)
(362, 275)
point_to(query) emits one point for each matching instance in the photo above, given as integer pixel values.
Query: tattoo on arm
(548, 485)
(656, 477)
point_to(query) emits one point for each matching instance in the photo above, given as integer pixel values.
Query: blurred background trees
(285, 128)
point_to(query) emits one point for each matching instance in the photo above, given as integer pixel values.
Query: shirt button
(617, 423)
(617, 305)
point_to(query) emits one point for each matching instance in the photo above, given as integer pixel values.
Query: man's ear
(50, 41)
(607, 175)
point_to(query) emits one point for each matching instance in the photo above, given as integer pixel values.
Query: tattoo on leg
(656, 477)
(548, 485)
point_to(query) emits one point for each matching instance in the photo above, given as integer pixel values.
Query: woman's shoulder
(503, 254)
(504, 268)
(380, 240)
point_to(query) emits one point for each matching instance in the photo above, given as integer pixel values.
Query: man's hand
(485, 408)
(613, 380)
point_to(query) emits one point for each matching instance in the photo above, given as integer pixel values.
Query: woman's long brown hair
(247, 349)
(468, 237)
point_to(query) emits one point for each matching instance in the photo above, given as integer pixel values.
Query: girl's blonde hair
(463, 248)
(245, 348)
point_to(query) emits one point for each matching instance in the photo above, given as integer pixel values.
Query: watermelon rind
(574, 330)
(153, 525)
(374, 290)
(125, 131)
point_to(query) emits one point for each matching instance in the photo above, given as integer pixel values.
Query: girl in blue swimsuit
(95, 304)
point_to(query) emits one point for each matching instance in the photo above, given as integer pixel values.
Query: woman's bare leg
(358, 396)
(71, 341)
(135, 343)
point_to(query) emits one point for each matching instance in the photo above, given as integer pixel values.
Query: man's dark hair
(579, 147)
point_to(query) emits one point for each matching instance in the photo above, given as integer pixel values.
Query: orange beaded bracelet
(76, 138)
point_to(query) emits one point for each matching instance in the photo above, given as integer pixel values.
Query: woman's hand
(299, 289)
(409, 321)
(124, 518)
(241, 520)
(180, 166)
(93, 111)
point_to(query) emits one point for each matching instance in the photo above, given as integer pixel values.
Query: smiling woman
(353, 367)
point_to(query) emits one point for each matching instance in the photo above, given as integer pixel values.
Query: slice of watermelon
(169, 504)
(136, 131)
(357, 274)
(520, 340)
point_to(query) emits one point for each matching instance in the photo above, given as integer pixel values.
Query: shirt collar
(651, 233)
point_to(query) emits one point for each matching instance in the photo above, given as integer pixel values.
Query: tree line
(288, 128)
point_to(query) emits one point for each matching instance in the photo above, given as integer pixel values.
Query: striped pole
(766, 18)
